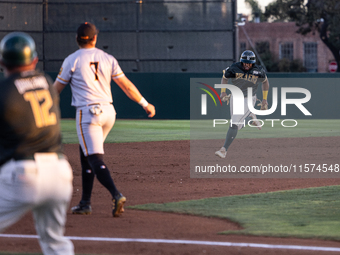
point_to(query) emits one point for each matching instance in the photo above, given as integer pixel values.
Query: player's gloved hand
(264, 104)
(150, 110)
(225, 97)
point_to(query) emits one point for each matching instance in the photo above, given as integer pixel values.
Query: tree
(322, 16)
(256, 10)
(266, 56)
(277, 11)
(295, 65)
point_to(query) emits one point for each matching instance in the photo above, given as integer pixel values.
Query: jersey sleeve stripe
(116, 75)
(62, 79)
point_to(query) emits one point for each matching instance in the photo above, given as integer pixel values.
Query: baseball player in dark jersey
(89, 72)
(34, 174)
(243, 74)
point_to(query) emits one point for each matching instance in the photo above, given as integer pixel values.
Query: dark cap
(86, 31)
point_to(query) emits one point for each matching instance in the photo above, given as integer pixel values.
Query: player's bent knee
(233, 126)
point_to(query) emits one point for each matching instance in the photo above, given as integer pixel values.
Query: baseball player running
(34, 174)
(243, 74)
(89, 71)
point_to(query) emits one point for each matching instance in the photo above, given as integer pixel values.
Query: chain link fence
(145, 36)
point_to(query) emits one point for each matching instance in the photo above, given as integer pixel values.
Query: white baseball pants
(43, 185)
(94, 122)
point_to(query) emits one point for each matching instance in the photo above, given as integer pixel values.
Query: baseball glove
(226, 98)
(263, 107)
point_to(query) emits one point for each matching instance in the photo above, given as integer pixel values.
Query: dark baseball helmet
(248, 57)
(17, 49)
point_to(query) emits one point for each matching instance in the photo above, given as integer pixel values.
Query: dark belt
(31, 157)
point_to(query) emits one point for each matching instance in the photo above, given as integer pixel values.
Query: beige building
(284, 42)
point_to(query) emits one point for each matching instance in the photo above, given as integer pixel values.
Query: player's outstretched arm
(59, 86)
(133, 93)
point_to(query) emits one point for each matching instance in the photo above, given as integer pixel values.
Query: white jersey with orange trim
(89, 72)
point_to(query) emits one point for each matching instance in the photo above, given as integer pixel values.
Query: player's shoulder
(8, 86)
(104, 55)
(71, 57)
(258, 68)
(100, 51)
(84, 52)
(230, 71)
(235, 67)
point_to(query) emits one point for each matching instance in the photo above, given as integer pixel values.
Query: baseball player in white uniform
(34, 173)
(89, 71)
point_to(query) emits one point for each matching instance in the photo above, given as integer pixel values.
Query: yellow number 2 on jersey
(41, 103)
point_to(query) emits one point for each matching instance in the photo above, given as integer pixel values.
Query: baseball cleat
(255, 123)
(222, 153)
(118, 205)
(84, 209)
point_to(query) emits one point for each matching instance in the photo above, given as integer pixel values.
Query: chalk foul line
(192, 242)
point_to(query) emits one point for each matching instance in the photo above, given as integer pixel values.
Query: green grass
(305, 128)
(135, 131)
(166, 130)
(302, 213)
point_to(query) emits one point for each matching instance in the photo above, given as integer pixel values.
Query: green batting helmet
(17, 49)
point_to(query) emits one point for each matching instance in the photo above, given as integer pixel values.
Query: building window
(262, 47)
(243, 46)
(311, 56)
(286, 51)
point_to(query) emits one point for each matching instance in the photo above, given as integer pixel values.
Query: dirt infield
(158, 172)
